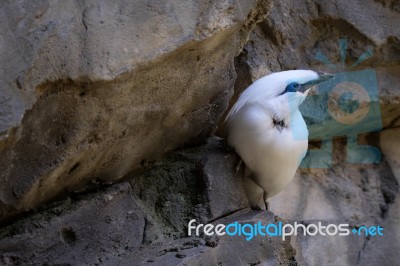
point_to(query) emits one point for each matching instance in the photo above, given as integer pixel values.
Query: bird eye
(292, 87)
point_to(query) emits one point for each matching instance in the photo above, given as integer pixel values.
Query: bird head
(292, 84)
(299, 80)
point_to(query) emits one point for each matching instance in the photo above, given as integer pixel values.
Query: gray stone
(222, 174)
(289, 38)
(96, 92)
(235, 250)
(200, 183)
(85, 231)
(143, 219)
(92, 89)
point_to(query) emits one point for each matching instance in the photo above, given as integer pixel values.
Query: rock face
(94, 90)
(96, 93)
(144, 220)
(357, 194)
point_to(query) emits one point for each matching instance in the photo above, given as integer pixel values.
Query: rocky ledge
(107, 117)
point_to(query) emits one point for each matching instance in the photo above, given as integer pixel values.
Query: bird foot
(256, 208)
(278, 219)
(265, 197)
(260, 207)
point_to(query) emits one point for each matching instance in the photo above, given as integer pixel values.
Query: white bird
(268, 131)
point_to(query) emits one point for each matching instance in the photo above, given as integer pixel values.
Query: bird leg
(265, 197)
(254, 193)
(238, 165)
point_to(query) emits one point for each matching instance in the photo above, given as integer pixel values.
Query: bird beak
(324, 76)
(321, 78)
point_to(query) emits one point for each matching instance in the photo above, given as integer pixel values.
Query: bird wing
(258, 92)
(270, 86)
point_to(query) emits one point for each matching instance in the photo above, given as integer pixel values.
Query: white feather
(271, 152)
(270, 86)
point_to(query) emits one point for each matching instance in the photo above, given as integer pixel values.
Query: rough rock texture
(96, 92)
(354, 194)
(144, 220)
(358, 194)
(94, 89)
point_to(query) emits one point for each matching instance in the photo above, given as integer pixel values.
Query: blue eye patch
(292, 87)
